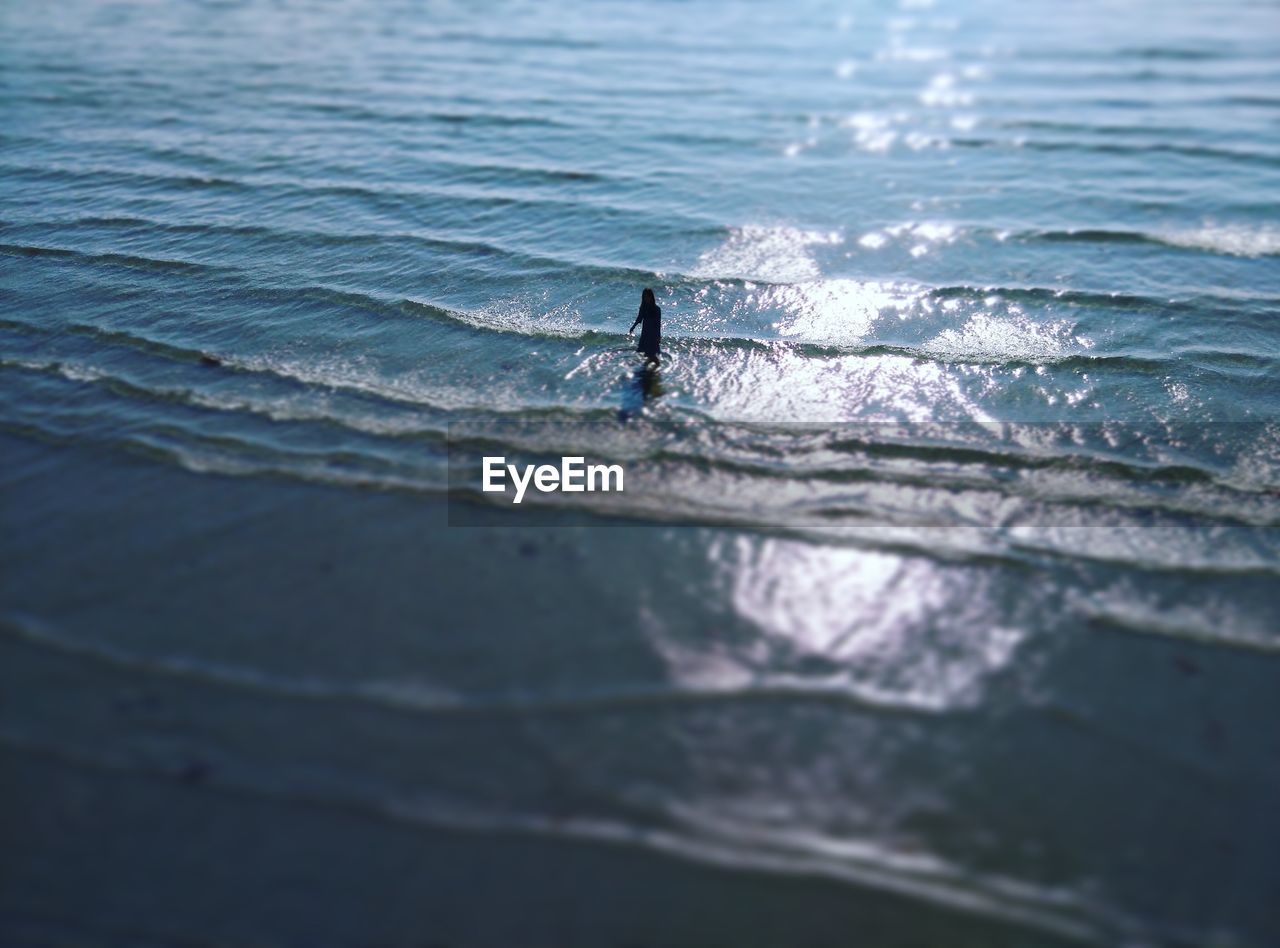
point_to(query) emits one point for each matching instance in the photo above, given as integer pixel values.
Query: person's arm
(639, 316)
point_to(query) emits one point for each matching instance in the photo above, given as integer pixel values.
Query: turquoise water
(1008, 269)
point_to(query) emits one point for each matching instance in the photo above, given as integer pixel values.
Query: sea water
(951, 614)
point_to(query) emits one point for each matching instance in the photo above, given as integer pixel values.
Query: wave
(366, 112)
(487, 190)
(1249, 101)
(439, 243)
(133, 261)
(1175, 53)
(517, 39)
(926, 880)
(118, 337)
(334, 376)
(523, 322)
(416, 698)
(733, 266)
(1150, 549)
(1240, 240)
(46, 172)
(279, 408)
(897, 489)
(323, 377)
(883, 530)
(1070, 484)
(1186, 626)
(528, 174)
(1232, 239)
(1092, 128)
(1136, 149)
(443, 243)
(1015, 345)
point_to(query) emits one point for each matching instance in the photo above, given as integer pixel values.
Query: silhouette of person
(649, 319)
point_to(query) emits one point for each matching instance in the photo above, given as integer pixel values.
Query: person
(649, 319)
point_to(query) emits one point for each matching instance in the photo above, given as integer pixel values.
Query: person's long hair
(647, 302)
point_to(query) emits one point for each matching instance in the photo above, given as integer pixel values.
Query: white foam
(766, 254)
(1214, 623)
(1237, 240)
(988, 337)
(519, 315)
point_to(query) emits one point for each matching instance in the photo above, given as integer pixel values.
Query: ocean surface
(947, 614)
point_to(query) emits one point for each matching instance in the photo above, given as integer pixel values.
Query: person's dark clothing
(650, 319)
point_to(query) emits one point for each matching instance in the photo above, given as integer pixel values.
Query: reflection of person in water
(647, 381)
(649, 319)
(641, 387)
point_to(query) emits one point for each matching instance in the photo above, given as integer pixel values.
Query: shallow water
(958, 586)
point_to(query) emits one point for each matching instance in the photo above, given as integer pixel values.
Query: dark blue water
(254, 255)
